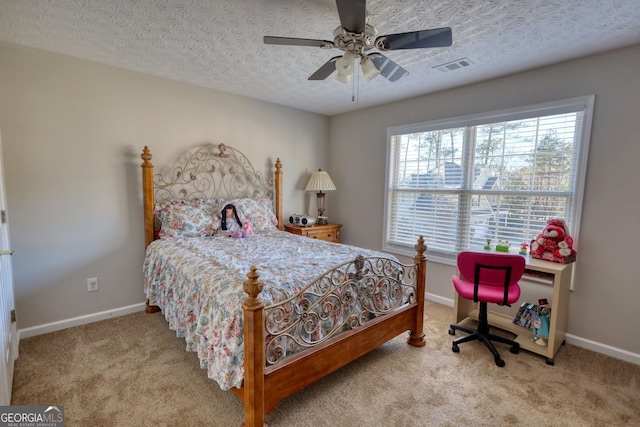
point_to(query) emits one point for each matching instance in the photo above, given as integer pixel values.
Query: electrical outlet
(92, 284)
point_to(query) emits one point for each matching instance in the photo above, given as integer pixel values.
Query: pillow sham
(258, 211)
(187, 218)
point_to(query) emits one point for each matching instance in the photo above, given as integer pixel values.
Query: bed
(270, 313)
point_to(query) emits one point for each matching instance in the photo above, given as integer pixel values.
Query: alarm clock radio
(303, 220)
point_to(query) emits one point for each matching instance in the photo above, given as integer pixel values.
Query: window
(498, 176)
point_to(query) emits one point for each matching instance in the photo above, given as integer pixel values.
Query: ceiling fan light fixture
(345, 64)
(369, 70)
(344, 78)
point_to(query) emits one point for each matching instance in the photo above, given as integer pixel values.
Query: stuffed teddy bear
(554, 244)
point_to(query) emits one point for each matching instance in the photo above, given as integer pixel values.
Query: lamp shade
(320, 181)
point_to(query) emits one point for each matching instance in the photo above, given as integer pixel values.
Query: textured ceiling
(218, 44)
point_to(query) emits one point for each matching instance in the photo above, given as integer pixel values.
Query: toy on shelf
(554, 244)
(503, 246)
(523, 248)
(488, 247)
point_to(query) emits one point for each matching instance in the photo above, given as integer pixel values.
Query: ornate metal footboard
(343, 299)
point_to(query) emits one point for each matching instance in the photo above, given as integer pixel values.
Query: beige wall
(72, 134)
(73, 130)
(604, 305)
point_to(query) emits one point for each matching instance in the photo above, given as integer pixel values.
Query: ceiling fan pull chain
(357, 84)
(353, 87)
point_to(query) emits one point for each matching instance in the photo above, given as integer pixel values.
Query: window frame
(577, 104)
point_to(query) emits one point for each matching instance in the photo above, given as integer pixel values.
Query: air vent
(455, 65)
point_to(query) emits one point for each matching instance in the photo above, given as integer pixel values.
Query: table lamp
(320, 181)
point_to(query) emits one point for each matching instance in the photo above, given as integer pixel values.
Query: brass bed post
(278, 183)
(416, 337)
(254, 358)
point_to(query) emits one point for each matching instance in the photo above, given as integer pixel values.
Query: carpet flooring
(134, 371)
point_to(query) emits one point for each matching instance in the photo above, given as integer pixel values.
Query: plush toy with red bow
(554, 244)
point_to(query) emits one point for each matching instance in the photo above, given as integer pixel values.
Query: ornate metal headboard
(212, 171)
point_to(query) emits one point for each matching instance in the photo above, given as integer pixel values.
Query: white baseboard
(618, 353)
(605, 349)
(440, 300)
(77, 321)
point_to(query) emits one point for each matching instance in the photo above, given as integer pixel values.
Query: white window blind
(498, 176)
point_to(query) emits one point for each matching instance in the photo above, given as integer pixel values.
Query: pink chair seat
(493, 294)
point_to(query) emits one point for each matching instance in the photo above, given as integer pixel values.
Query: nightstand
(328, 232)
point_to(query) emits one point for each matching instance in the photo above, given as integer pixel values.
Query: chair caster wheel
(515, 349)
(500, 363)
(455, 348)
(451, 331)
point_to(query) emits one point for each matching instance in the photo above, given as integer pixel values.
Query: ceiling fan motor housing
(357, 43)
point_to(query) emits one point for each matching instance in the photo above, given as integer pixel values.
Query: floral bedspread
(197, 282)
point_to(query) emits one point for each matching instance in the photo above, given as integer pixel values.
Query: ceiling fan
(355, 37)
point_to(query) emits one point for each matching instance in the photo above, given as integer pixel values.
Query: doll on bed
(230, 222)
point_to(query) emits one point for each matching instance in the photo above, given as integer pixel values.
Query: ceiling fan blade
(352, 14)
(291, 41)
(326, 70)
(388, 69)
(438, 37)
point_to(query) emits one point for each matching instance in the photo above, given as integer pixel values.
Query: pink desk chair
(487, 278)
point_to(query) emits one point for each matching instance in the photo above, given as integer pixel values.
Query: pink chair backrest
(492, 277)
